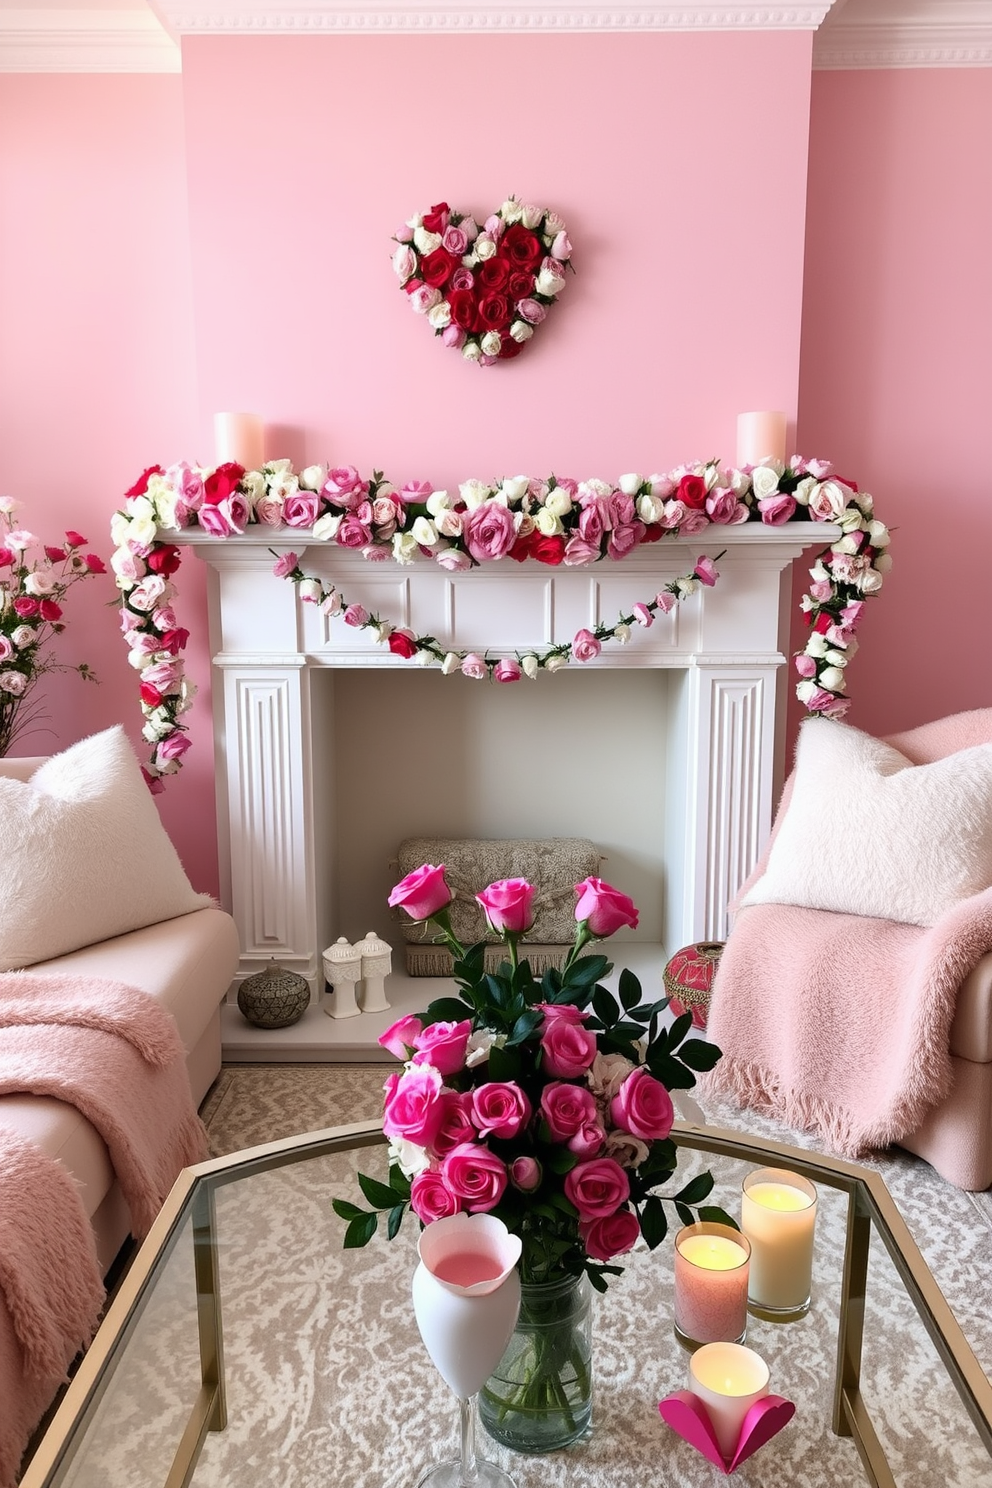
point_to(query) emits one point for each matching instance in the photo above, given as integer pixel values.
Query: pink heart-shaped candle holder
(688, 1416)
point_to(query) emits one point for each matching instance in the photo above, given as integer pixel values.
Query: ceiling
(144, 35)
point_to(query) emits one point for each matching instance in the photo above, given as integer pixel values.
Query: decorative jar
(274, 998)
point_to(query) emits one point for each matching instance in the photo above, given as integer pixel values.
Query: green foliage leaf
(630, 990)
(671, 1072)
(715, 1215)
(505, 1063)
(360, 1231)
(560, 1161)
(447, 1010)
(697, 1189)
(654, 1222)
(606, 1007)
(645, 1011)
(626, 1030)
(678, 1031)
(378, 1195)
(699, 1055)
(684, 1213)
(399, 1182)
(395, 1220)
(524, 1026)
(345, 1210)
(586, 971)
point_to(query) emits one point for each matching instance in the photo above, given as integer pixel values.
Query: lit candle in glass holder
(728, 1379)
(778, 1216)
(760, 436)
(711, 1282)
(239, 437)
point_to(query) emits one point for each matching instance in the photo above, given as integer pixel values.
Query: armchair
(853, 998)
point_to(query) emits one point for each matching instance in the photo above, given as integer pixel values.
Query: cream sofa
(187, 964)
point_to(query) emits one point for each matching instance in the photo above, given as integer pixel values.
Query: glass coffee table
(246, 1346)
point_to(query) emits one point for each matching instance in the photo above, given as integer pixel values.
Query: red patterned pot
(689, 977)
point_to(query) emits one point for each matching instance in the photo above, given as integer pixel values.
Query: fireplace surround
(317, 729)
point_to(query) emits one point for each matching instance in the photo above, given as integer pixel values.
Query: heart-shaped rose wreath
(483, 290)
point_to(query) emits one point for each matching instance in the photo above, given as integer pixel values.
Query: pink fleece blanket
(116, 1055)
(840, 1024)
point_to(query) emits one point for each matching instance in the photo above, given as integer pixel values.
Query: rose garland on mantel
(553, 521)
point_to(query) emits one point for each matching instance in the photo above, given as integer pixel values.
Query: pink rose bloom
(508, 905)
(610, 1236)
(476, 1176)
(301, 509)
(421, 893)
(507, 670)
(353, 533)
(851, 613)
(588, 1140)
(776, 510)
(806, 666)
(705, 571)
(722, 506)
(416, 491)
(585, 646)
(674, 514)
(526, 1174)
(455, 240)
(6, 648)
(500, 1109)
(456, 1122)
(604, 907)
(822, 701)
(430, 1198)
(285, 564)
(665, 601)
(569, 1049)
(356, 615)
(164, 618)
(597, 1188)
(462, 278)
(643, 1107)
(404, 233)
(399, 1038)
(343, 481)
(567, 1108)
(643, 615)
(443, 1046)
(822, 589)
(411, 1107)
(217, 519)
(693, 522)
(624, 539)
(566, 1010)
(473, 666)
(172, 748)
(594, 519)
(579, 552)
(452, 559)
(453, 335)
(489, 531)
(165, 676)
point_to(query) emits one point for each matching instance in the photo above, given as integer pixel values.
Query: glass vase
(539, 1397)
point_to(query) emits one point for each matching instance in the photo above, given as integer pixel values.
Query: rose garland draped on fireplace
(553, 521)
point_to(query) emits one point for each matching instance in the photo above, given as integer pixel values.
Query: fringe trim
(437, 961)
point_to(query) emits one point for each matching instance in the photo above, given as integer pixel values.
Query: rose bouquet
(546, 1103)
(31, 597)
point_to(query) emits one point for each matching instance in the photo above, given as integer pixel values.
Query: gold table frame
(870, 1207)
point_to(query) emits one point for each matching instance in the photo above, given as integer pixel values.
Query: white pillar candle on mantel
(778, 1216)
(728, 1378)
(238, 437)
(711, 1270)
(760, 436)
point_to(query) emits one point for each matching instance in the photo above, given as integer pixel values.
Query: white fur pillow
(867, 832)
(83, 854)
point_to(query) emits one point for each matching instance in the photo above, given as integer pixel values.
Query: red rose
(49, 610)
(493, 273)
(401, 643)
(94, 564)
(494, 311)
(54, 555)
(437, 268)
(692, 492)
(522, 546)
(522, 246)
(823, 622)
(75, 540)
(173, 641)
(150, 696)
(413, 284)
(222, 482)
(510, 348)
(520, 285)
(436, 220)
(164, 559)
(464, 313)
(548, 549)
(141, 484)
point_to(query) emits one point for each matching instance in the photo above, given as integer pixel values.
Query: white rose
(520, 331)
(830, 499)
(404, 262)
(686, 586)
(630, 484)
(804, 490)
(511, 210)
(558, 501)
(13, 683)
(553, 224)
(556, 662)
(817, 645)
(310, 590)
(409, 1158)
(423, 657)
(549, 284)
(836, 658)
(850, 519)
(883, 562)
(142, 532)
(119, 526)
(878, 534)
(711, 475)
(404, 547)
(425, 242)
(22, 635)
(313, 477)
(739, 482)
(531, 216)
(471, 351)
(327, 526)
(484, 247)
(514, 487)
(492, 343)
(595, 488)
(140, 509)
(424, 532)
(832, 678)
(866, 502)
(439, 315)
(481, 1041)
(547, 522)
(437, 502)
(8, 506)
(451, 663)
(382, 632)
(870, 581)
(530, 666)
(805, 689)
(40, 581)
(621, 633)
(650, 509)
(474, 492)
(764, 480)
(846, 544)
(449, 523)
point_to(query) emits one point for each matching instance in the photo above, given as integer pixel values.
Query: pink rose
(507, 670)
(353, 533)
(411, 1107)
(722, 505)
(624, 539)
(285, 564)
(569, 1049)
(344, 480)
(453, 335)
(452, 559)
(164, 676)
(567, 1108)
(643, 1107)
(776, 510)
(585, 646)
(805, 665)
(610, 1236)
(301, 509)
(705, 571)
(532, 311)
(172, 748)
(430, 1198)
(456, 1122)
(399, 1038)
(422, 893)
(500, 1109)
(665, 601)
(476, 1176)
(356, 615)
(693, 522)
(579, 552)
(642, 615)
(526, 1174)
(443, 1045)
(473, 666)
(597, 1188)
(604, 907)
(508, 905)
(489, 531)
(455, 240)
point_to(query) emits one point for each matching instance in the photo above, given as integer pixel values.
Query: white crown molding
(55, 40)
(901, 33)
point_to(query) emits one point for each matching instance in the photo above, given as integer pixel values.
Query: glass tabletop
(245, 1345)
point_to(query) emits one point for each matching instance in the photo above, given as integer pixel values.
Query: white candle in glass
(238, 437)
(760, 436)
(728, 1378)
(778, 1216)
(711, 1269)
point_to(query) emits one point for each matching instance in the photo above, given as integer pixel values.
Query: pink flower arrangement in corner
(545, 1102)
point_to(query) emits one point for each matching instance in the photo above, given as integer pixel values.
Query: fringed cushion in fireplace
(554, 865)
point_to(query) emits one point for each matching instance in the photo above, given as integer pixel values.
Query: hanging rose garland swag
(485, 290)
(553, 521)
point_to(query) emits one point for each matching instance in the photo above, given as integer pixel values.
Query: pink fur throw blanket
(116, 1055)
(839, 1024)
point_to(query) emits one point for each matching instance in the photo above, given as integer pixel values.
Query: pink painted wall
(895, 384)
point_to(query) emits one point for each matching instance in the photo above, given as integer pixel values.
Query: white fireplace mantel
(726, 647)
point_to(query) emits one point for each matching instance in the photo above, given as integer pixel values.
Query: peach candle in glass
(760, 436)
(778, 1216)
(711, 1271)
